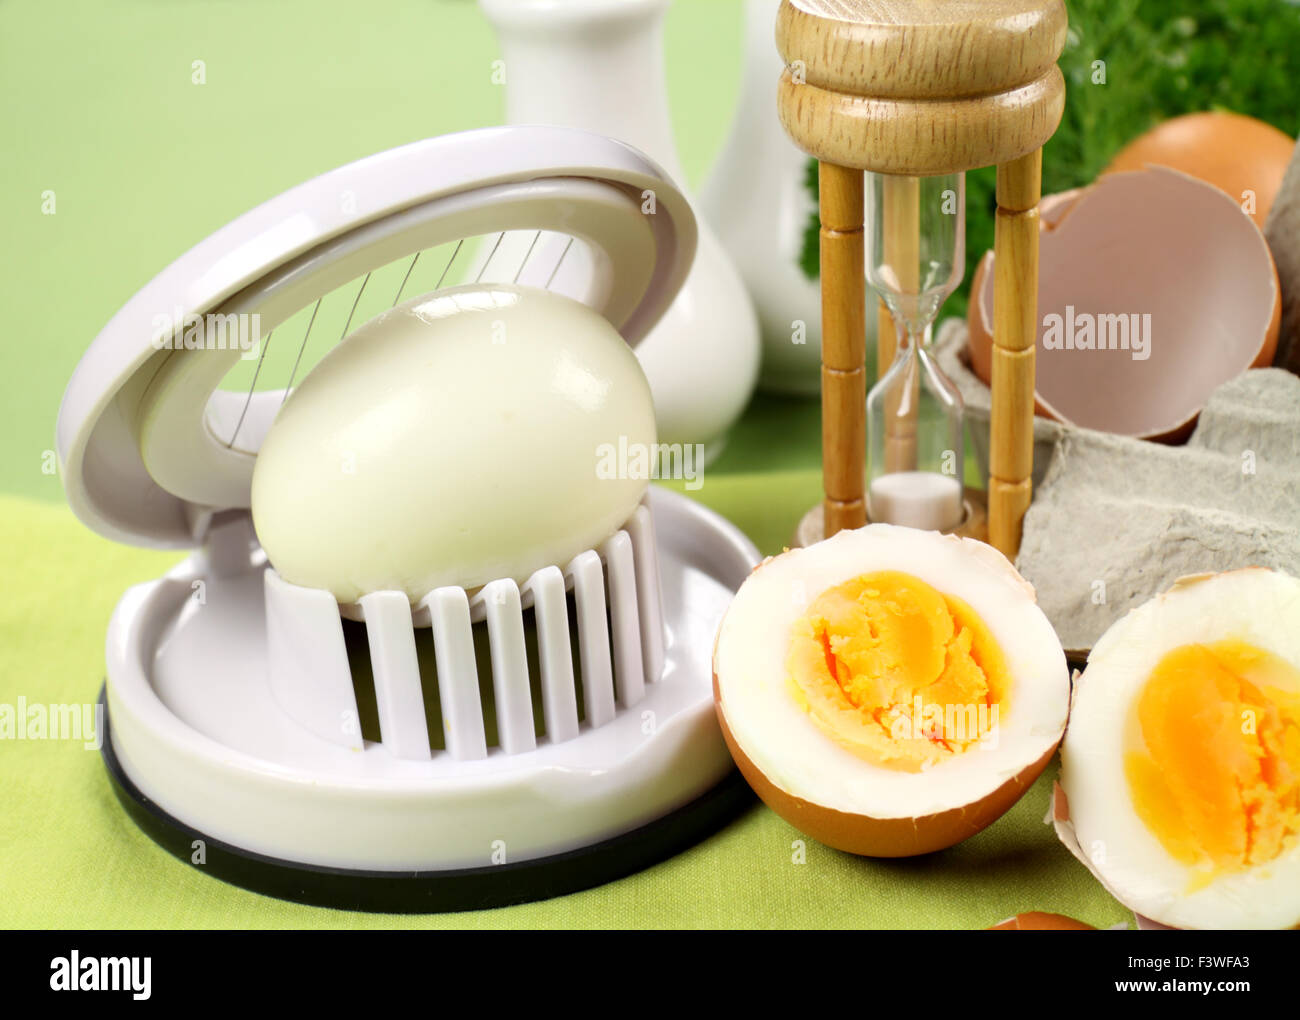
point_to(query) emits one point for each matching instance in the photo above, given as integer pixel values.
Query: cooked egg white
(890, 673)
(1181, 767)
(453, 440)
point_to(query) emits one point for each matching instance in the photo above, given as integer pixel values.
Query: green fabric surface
(98, 106)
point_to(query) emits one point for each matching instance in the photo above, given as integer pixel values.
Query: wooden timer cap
(920, 87)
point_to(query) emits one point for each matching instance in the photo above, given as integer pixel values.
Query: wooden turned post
(916, 88)
(1015, 330)
(844, 348)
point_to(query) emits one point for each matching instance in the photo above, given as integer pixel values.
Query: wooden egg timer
(917, 88)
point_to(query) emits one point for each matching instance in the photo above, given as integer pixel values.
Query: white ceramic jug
(599, 65)
(762, 224)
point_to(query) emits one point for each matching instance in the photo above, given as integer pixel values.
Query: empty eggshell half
(464, 436)
(1154, 289)
(832, 657)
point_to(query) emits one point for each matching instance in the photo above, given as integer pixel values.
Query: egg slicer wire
(526, 740)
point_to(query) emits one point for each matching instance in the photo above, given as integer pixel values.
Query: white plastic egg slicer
(476, 748)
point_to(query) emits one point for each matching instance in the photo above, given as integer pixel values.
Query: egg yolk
(897, 672)
(1217, 778)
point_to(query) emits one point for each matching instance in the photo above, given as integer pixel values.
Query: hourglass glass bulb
(916, 243)
(915, 257)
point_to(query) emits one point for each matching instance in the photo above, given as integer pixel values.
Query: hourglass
(914, 93)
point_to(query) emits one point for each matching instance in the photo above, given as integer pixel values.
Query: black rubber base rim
(423, 892)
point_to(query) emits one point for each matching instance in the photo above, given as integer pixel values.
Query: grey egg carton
(1115, 521)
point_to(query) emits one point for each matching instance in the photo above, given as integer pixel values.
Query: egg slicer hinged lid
(482, 747)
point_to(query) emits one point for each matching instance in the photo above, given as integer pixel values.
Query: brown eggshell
(1037, 920)
(880, 837)
(1154, 241)
(1233, 152)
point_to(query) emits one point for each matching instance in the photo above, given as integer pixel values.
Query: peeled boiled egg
(455, 439)
(1180, 773)
(889, 691)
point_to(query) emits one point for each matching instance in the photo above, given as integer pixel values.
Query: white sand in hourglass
(916, 499)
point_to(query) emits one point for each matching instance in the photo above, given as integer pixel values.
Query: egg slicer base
(208, 767)
(481, 888)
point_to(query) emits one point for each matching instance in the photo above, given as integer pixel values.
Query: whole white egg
(455, 439)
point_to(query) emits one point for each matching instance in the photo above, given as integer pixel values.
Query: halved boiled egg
(1180, 773)
(889, 691)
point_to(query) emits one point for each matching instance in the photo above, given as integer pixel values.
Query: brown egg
(1238, 154)
(1154, 289)
(1036, 920)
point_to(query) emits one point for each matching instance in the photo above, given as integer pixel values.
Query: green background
(98, 106)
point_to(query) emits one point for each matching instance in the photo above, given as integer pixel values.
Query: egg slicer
(481, 747)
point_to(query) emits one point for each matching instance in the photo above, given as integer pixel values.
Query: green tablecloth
(99, 108)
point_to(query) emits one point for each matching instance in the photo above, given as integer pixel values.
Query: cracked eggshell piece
(1037, 920)
(817, 784)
